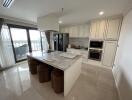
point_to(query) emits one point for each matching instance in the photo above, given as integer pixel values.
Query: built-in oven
(95, 54)
(96, 44)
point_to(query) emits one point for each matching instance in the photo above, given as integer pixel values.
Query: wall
(79, 41)
(123, 63)
(16, 21)
(49, 22)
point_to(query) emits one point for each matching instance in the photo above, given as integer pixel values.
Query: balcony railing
(21, 48)
(36, 45)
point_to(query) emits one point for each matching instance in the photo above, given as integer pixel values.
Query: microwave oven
(96, 44)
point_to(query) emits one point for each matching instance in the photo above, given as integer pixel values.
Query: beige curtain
(6, 51)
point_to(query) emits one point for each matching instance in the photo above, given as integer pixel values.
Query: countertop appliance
(61, 41)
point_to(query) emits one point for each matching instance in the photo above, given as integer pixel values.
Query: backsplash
(83, 42)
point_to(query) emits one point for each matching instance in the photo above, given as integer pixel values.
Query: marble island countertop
(54, 59)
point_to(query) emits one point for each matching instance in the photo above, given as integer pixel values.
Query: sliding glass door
(19, 42)
(25, 39)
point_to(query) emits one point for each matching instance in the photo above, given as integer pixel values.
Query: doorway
(24, 40)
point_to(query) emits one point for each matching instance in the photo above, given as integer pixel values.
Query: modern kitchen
(93, 44)
(65, 50)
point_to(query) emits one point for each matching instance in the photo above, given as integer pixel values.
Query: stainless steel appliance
(61, 41)
(96, 44)
(95, 50)
(95, 54)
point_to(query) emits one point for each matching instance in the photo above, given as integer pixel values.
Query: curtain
(45, 45)
(6, 50)
(47, 34)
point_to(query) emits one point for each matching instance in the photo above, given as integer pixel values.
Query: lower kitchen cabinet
(109, 53)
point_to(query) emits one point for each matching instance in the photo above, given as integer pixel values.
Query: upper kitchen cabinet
(98, 29)
(113, 28)
(77, 31)
(106, 29)
(73, 32)
(83, 31)
(49, 22)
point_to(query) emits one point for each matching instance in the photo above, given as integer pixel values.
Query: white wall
(49, 22)
(123, 62)
(16, 21)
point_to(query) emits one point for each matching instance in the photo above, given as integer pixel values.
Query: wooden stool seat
(32, 65)
(57, 80)
(44, 73)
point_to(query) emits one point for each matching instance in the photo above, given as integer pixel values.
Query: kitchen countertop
(54, 59)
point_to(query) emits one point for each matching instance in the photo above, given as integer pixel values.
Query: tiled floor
(94, 84)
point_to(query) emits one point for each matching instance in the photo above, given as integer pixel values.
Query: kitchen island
(69, 63)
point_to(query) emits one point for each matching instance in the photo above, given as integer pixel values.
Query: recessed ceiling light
(101, 13)
(59, 21)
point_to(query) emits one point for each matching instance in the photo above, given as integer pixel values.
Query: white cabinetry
(97, 29)
(78, 31)
(107, 29)
(83, 31)
(109, 53)
(113, 28)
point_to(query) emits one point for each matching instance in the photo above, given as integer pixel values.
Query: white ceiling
(75, 11)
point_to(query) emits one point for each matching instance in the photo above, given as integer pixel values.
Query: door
(60, 43)
(113, 28)
(20, 43)
(109, 53)
(56, 41)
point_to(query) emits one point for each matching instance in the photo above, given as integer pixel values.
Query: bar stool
(44, 73)
(32, 65)
(57, 80)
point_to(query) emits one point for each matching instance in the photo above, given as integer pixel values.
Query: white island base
(71, 67)
(71, 75)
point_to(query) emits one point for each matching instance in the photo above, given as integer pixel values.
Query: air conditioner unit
(7, 3)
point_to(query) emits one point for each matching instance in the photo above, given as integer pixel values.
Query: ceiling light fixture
(60, 21)
(101, 13)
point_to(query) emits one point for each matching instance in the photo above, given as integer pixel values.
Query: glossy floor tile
(93, 84)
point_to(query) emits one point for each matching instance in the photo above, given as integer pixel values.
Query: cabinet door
(74, 31)
(98, 29)
(71, 32)
(109, 53)
(62, 29)
(101, 29)
(113, 28)
(80, 31)
(86, 31)
(93, 30)
(66, 29)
